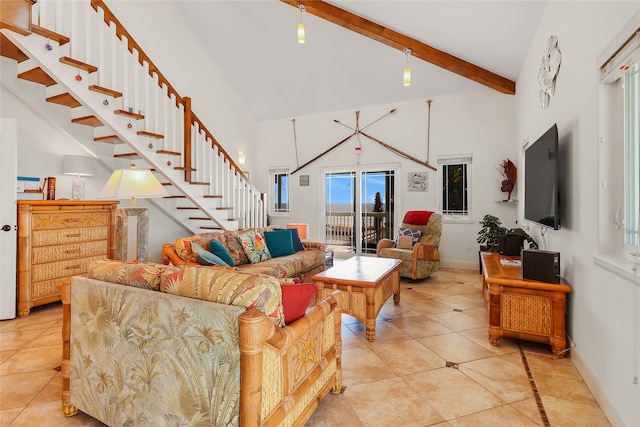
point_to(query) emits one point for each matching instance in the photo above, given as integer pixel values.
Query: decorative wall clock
(549, 67)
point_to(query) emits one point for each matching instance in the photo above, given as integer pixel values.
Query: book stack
(29, 188)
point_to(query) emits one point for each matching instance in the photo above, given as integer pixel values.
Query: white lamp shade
(77, 165)
(130, 183)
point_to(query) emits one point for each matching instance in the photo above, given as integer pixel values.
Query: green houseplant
(492, 229)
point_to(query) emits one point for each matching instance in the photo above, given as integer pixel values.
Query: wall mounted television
(541, 181)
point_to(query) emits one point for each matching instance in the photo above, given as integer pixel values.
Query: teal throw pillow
(205, 257)
(279, 242)
(218, 249)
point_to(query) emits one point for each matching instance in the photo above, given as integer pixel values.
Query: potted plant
(492, 229)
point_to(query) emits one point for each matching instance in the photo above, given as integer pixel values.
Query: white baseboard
(592, 381)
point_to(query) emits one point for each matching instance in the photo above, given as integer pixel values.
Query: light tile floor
(401, 379)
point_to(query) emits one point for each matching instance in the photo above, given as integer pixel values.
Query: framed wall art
(417, 181)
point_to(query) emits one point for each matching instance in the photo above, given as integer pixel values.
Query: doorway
(359, 209)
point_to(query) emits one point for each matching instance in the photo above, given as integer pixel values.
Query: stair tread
(149, 134)
(114, 139)
(212, 196)
(10, 50)
(171, 153)
(200, 218)
(37, 75)
(182, 168)
(127, 155)
(130, 114)
(187, 208)
(199, 183)
(205, 227)
(167, 183)
(78, 64)
(224, 208)
(65, 99)
(175, 197)
(87, 120)
(105, 91)
(44, 32)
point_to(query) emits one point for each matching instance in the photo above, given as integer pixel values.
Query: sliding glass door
(359, 209)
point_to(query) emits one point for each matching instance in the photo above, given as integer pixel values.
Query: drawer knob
(6, 227)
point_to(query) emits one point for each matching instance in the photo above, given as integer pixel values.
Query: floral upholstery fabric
(183, 354)
(254, 246)
(145, 276)
(288, 266)
(251, 291)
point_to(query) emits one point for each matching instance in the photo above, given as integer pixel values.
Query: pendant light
(407, 71)
(301, 33)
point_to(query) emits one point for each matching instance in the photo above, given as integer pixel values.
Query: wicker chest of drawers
(58, 239)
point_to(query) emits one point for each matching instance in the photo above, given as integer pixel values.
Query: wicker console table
(523, 309)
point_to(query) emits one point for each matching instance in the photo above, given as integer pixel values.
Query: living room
(603, 306)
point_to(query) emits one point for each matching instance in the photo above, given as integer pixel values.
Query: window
(455, 187)
(619, 148)
(279, 192)
(631, 88)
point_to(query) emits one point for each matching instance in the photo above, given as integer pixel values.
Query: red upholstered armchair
(418, 249)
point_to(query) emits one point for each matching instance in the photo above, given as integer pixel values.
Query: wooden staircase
(141, 119)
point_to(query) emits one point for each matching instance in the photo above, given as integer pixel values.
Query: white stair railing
(123, 67)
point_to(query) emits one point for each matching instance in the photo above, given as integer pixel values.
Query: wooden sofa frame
(277, 387)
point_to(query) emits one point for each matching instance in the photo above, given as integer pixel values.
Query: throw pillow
(279, 242)
(297, 243)
(205, 257)
(415, 234)
(296, 299)
(217, 248)
(254, 247)
(405, 242)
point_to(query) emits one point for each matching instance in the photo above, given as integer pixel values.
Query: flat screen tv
(541, 193)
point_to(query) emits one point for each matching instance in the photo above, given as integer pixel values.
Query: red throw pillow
(417, 217)
(296, 299)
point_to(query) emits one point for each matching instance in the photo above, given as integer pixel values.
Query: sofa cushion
(296, 298)
(251, 291)
(279, 242)
(205, 257)
(297, 243)
(254, 246)
(415, 234)
(145, 276)
(217, 248)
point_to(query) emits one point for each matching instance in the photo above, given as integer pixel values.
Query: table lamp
(131, 183)
(79, 167)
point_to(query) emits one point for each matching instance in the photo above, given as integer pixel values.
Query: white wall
(480, 122)
(601, 305)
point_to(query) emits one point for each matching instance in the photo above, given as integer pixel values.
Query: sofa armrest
(383, 243)
(318, 246)
(426, 252)
(282, 368)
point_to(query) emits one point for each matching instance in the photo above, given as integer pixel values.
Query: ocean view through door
(359, 210)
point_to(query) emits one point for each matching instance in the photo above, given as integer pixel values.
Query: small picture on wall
(417, 181)
(304, 180)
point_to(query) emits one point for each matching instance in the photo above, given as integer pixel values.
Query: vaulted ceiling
(255, 45)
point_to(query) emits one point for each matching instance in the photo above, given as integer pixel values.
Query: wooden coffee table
(368, 283)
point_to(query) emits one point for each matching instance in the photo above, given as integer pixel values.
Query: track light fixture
(407, 71)
(301, 33)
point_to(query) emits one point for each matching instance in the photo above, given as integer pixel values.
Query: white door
(8, 217)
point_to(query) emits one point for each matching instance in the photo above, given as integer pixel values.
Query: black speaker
(543, 266)
(509, 244)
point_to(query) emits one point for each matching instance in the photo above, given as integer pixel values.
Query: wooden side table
(523, 309)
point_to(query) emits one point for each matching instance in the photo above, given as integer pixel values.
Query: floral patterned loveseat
(303, 264)
(150, 344)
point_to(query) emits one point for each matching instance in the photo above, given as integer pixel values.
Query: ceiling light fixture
(406, 77)
(301, 33)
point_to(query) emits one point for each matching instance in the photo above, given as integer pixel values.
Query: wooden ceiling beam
(400, 41)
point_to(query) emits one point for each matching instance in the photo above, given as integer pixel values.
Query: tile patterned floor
(401, 379)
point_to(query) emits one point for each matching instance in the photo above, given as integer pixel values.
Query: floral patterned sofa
(302, 264)
(150, 344)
